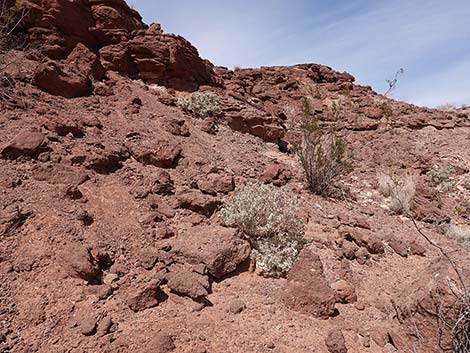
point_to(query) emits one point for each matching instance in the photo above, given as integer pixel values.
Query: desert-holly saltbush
(201, 105)
(269, 219)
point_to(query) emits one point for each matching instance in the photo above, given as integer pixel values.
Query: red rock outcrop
(124, 43)
(62, 24)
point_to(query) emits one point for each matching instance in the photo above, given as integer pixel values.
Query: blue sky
(429, 39)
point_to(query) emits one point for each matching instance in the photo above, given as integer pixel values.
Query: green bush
(441, 174)
(201, 105)
(322, 154)
(269, 219)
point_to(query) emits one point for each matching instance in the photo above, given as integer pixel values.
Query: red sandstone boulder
(160, 343)
(306, 290)
(214, 183)
(197, 202)
(169, 60)
(253, 121)
(191, 284)
(58, 80)
(145, 298)
(219, 248)
(335, 342)
(25, 143)
(78, 262)
(162, 154)
(83, 60)
(70, 78)
(275, 174)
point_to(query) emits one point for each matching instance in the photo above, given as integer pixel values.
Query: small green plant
(336, 110)
(400, 189)
(441, 177)
(269, 219)
(386, 109)
(346, 91)
(201, 105)
(442, 174)
(322, 154)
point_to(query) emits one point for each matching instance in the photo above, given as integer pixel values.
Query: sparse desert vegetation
(201, 105)
(400, 189)
(321, 153)
(270, 219)
(153, 201)
(459, 233)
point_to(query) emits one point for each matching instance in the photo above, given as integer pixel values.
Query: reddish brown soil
(121, 187)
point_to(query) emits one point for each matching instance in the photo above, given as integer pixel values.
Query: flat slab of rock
(220, 249)
(25, 143)
(197, 202)
(189, 284)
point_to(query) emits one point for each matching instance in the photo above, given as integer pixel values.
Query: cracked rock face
(123, 43)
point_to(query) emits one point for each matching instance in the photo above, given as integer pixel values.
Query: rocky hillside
(110, 227)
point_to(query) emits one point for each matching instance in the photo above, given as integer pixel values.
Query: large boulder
(58, 80)
(169, 60)
(159, 58)
(25, 143)
(220, 249)
(306, 290)
(83, 60)
(77, 261)
(71, 77)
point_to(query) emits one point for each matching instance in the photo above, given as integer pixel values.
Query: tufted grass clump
(200, 104)
(459, 233)
(269, 219)
(400, 189)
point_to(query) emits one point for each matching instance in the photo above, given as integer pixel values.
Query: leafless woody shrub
(12, 37)
(453, 320)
